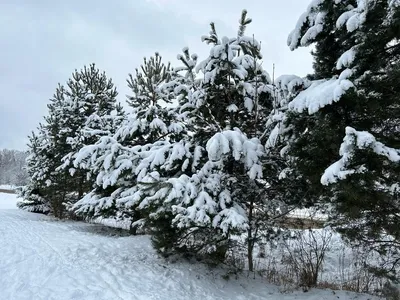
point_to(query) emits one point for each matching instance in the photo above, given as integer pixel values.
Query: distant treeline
(12, 167)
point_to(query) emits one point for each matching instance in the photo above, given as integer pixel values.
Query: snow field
(8, 201)
(6, 187)
(42, 258)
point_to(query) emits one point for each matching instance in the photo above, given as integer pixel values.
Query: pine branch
(243, 22)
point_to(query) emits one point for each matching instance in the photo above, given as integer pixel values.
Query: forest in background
(13, 167)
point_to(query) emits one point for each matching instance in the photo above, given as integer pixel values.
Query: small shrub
(391, 291)
(305, 255)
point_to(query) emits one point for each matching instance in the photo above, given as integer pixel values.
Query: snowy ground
(41, 258)
(7, 187)
(7, 201)
(307, 213)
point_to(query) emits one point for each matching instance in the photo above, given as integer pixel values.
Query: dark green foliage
(92, 100)
(146, 82)
(365, 206)
(164, 237)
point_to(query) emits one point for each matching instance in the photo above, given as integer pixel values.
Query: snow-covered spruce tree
(354, 95)
(220, 191)
(113, 159)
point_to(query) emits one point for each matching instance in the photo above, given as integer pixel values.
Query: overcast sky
(43, 41)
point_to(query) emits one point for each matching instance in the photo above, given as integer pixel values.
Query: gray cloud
(43, 41)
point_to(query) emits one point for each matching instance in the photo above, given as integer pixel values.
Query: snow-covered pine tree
(355, 96)
(35, 190)
(88, 96)
(46, 190)
(146, 81)
(220, 190)
(92, 112)
(168, 159)
(113, 159)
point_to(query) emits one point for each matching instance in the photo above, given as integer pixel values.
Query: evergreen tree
(145, 84)
(46, 152)
(88, 98)
(92, 112)
(113, 157)
(33, 194)
(220, 191)
(354, 94)
(188, 160)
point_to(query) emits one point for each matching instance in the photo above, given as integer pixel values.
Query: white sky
(43, 41)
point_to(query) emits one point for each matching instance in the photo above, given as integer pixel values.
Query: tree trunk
(250, 239)
(81, 188)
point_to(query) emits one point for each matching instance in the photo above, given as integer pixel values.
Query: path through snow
(41, 258)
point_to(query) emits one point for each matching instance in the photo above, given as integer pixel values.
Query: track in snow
(41, 258)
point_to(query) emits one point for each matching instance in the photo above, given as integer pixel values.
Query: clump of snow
(236, 143)
(342, 20)
(232, 108)
(356, 140)
(322, 93)
(354, 18)
(290, 83)
(346, 59)
(314, 19)
(316, 28)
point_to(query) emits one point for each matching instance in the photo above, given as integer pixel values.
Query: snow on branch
(354, 18)
(347, 58)
(236, 143)
(315, 21)
(311, 23)
(356, 140)
(200, 199)
(322, 93)
(289, 83)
